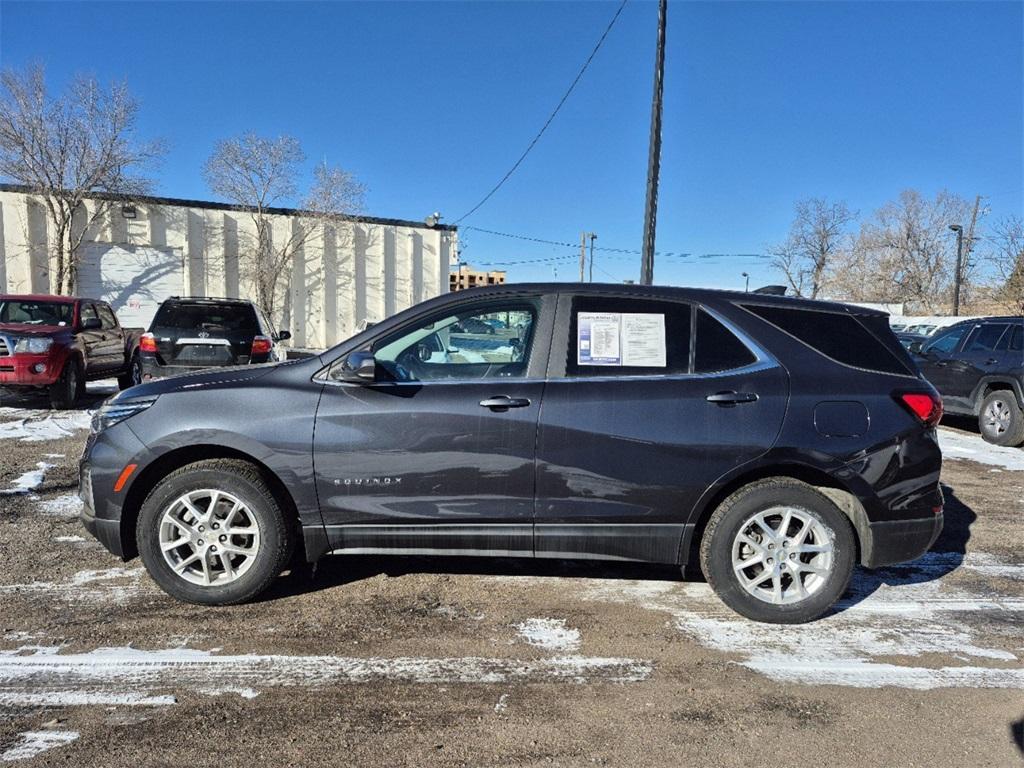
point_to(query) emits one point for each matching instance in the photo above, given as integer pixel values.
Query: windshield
(36, 312)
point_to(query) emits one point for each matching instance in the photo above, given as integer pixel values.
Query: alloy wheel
(997, 417)
(209, 537)
(782, 555)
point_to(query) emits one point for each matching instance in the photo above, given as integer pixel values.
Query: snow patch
(69, 539)
(839, 649)
(137, 677)
(36, 426)
(959, 445)
(32, 743)
(549, 634)
(29, 481)
(65, 505)
(86, 585)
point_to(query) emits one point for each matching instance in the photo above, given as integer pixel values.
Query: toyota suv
(776, 441)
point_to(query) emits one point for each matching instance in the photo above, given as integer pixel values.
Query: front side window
(88, 312)
(109, 322)
(478, 343)
(614, 336)
(986, 338)
(947, 342)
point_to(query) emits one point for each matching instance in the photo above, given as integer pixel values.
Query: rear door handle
(992, 361)
(504, 402)
(731, 398)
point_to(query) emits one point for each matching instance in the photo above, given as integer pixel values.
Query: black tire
(731, 516)
(241, 479)
(133, 375)
(1010, 433)
(64, 392)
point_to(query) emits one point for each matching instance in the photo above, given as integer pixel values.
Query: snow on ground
(841, 649)
(32, 743)
(962, 445)
(33, 426)
(549, 634)
(28, 481)
(65, 505)
(108, 585)
(31, 675)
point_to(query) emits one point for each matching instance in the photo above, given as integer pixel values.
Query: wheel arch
(990, 384)
(176, 458)
(819, 479)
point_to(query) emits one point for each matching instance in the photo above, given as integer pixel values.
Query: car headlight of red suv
(32, 346)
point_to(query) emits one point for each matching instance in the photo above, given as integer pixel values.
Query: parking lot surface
(412, 661)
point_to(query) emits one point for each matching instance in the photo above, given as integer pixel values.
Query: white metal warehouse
(351, 270)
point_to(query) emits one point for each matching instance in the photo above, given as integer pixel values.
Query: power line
(540, 133)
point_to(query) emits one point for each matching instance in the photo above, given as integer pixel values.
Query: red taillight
(147, 343)
(926, 406)
(261, 345)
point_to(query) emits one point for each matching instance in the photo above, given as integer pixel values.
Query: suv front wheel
(778, 551)
(213, 533)
(1001, 420)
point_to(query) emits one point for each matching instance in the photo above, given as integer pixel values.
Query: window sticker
(621, 339)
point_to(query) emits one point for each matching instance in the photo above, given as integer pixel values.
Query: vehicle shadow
(338, 571)
(38, 399)
(1017, 734)
(964, 423)
(944, 557)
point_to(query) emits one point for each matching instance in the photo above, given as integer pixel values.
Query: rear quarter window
(838, 336)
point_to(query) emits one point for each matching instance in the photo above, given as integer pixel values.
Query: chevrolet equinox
(777, 441)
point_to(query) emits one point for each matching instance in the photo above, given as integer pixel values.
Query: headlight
(110, 414)
(32, 346)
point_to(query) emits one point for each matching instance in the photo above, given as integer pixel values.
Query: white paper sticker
(621, 339)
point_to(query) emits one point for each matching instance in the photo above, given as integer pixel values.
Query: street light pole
(746, 288)
(592, 237)
(957, 277)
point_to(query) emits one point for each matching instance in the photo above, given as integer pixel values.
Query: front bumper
(899, 541)
(20, 371)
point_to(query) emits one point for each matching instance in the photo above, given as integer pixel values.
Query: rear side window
(1017, 340)
(716, 348)
(613, 336)
(206, 317)
(985, 338)
(835, 335)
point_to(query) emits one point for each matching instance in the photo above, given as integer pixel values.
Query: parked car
(908, 340)
(193, 333)
(776, 440)
(978, 368)
(57, 343)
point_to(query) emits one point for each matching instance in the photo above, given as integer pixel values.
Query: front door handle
(504, 402)
(992, 361)
(731, 398)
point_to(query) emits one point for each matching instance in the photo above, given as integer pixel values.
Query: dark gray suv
(777, 441)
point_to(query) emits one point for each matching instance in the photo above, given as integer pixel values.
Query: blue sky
(429, 103)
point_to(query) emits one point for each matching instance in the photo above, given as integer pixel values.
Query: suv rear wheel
(213, 533)
(1001, 421)
(778, 551)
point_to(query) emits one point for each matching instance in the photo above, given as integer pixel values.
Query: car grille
(5, 347)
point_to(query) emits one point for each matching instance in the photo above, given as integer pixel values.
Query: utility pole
(583, 254)
(959, 261)
(593, 237)
(654, 154)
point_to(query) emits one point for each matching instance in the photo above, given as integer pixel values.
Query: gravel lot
(410, 661)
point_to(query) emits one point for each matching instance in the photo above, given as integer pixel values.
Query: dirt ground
(419, 662)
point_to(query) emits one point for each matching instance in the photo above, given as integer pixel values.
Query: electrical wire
(540, 133)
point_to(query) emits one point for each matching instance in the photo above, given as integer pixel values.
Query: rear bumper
(153, 370)
(899, 541)
(20, 371)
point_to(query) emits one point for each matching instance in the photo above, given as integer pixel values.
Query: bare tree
(263, 173)
(818, 232)
(906, 253)
(68, 147)
(1007, 259)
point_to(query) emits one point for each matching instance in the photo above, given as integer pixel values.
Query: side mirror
(284, 335)
(359, 368)
(91, 324)
(915, 347)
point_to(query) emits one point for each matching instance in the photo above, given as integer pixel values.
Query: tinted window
(657, 331)
(1017, 340)
(835, 335)
(87, 312)
(106, 317)
(473, 344)
(206, 317)
(985, 338)
(947, 342)
(716, 348)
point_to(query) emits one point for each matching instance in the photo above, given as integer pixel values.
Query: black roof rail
(210, 298)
